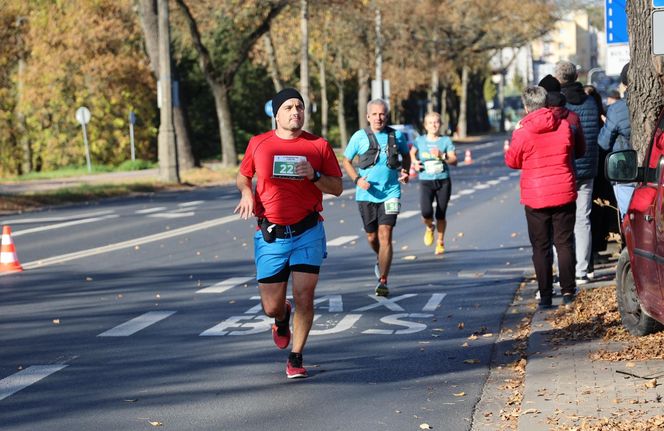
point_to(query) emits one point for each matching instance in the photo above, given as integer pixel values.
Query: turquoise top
(424, 147)
(384, 181)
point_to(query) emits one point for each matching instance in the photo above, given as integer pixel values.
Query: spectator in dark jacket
(604, 215)
(586, 166)
(615, 136)
(543, 148)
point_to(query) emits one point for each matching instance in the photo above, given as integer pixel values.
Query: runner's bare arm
(246, 205)
(326, 183)
(354, 176)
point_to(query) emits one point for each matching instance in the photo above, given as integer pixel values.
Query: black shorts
(373, 214)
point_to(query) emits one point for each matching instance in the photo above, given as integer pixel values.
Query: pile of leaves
(594, 315)
(627, 423)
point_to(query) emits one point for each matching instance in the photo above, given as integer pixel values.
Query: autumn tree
(223, 34)
(645, 76)
(77, 53)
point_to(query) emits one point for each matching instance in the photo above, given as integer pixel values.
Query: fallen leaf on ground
(471, 361)
(460, 394)
(425, 426)
(155, 423)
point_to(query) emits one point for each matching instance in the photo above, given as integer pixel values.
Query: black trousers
(548, 227)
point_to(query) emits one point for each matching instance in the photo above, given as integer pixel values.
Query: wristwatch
(316, 177)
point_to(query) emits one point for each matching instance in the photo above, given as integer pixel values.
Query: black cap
(549, 83)
(282, 96)
(623, 74)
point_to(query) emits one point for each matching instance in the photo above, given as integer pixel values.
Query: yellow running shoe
(428, 236)
(440, 249)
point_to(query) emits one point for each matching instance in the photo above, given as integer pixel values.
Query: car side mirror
(622, 166)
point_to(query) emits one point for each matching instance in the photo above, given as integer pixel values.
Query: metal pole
(168, 169)
(87, 148)
(131, 138)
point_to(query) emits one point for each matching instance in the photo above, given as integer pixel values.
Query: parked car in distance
(640, 270)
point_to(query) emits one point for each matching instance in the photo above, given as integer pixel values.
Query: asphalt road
(143, 312)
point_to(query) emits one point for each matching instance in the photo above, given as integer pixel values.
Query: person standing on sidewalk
(615, 135)
(378, 182)
(586, 167)
(543, 149)
(431, 154)
(293, 169)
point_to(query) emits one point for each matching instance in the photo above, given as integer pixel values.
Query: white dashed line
(341, 240)
(136, 324)
(24, 378)
(223, 286)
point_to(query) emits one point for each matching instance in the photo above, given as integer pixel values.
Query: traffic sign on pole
(657, 3)
(616, 21)
(83, 117)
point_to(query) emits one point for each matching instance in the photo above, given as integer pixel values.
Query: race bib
(284, 167)
(433, 167)
(392, 206)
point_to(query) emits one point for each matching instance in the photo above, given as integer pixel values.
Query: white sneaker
(377, 271)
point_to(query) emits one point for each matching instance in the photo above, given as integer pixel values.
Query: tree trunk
(341, 110)
(463, 101)
(304, 61)
(273, 66)
(324, 108)
(644, 77)
(225, 118)
(362, 96)
(21, 130)
(432, 106)
(147, 12)
(443, 110)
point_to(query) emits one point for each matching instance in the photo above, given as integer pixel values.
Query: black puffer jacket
(587, 110)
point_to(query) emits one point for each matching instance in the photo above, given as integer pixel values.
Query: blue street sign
(616, 21)
(268, 108)
(657, 3)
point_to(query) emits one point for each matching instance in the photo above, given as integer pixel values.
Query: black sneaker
(568, 298)
(381, 289)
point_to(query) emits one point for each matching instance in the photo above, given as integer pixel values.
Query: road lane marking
(128, 244)
(172, 215)
(395, 319)
(342, 240)
(336, 304)
(344, 324)
(136, 324)
(65, 224)
(434, 302)
(408, 214)
(24, 378)
(150, 210)
(191, 204)
(223, 286)
(54, 219)
(389, 303)
(257, 324)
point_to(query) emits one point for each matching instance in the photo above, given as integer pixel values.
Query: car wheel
(634, 319)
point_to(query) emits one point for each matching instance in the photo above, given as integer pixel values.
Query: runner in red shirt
(293, 169)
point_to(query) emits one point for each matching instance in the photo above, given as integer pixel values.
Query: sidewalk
(564, 387)
(58, 183)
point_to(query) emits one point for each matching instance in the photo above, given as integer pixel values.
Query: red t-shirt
(286, 201)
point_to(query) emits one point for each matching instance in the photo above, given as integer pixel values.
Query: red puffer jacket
(543, 148)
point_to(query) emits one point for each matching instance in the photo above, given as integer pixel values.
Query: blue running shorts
(308, 248)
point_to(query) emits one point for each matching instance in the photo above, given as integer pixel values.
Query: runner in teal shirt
(432, 154)
(378, 186)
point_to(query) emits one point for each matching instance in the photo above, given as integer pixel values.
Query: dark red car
(640, 271)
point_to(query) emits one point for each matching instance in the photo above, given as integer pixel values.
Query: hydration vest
(370, 157)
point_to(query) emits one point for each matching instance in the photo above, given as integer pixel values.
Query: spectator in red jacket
(543, 147)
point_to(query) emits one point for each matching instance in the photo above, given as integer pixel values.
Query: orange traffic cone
(8, 260)
(468, 159)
